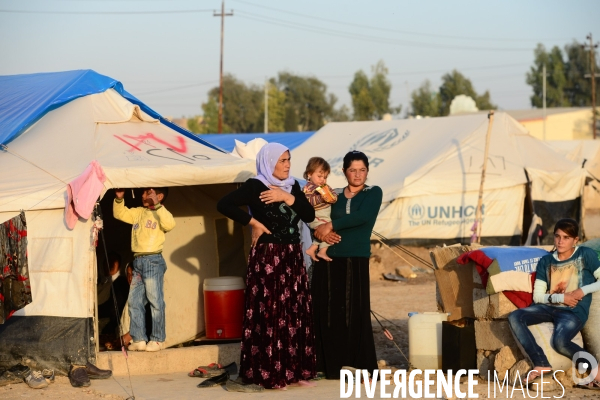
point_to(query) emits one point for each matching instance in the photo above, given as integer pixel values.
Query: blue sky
(171, 60)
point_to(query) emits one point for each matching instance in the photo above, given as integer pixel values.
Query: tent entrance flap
(49, 342)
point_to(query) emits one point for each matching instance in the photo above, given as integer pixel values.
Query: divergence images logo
(380, 141)
(416, 211)
(590, 364)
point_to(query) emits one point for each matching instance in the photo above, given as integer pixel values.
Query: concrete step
(183, 359)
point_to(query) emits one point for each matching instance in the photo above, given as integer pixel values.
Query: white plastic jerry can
(425, 339)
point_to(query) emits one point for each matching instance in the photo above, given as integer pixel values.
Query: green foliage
(210, 123)
(426, 102)
(566, 85)
(194, 124)
(371, 97)
(277, 110)
(306, 103)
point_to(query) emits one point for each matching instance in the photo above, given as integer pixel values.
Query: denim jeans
(147, 287)
(566, 326)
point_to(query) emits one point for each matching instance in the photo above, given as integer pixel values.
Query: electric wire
(373, 39)
(104, 12)
(313, 17)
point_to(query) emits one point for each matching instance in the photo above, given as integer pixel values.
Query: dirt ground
(392, 300)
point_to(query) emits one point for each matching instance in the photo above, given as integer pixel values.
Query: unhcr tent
(52, 126)
(430, 172)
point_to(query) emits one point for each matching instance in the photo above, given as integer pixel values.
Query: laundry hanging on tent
(83, 192)
(15, 287)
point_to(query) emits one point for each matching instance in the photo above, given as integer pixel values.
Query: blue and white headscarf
(266, 160)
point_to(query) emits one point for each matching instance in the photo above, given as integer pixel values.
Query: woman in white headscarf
(278, 339)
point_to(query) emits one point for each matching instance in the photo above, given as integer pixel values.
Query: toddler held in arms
(321, 196)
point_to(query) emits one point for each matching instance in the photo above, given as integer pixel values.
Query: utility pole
(592, 75)
(222, 15)
(266, 105)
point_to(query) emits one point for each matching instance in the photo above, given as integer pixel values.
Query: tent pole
(478, 218)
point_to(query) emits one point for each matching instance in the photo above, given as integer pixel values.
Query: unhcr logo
(416, 211)
(381, 141)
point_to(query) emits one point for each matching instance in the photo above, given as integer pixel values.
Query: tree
(362, 103)
(371, 97)
(242, 108)
(424, 101)
(277, 110)
(566, 85)
(306, 103)
(455, 83)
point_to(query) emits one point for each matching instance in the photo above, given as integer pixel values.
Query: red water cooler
(224, 307)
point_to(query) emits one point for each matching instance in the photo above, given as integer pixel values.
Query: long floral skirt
(278, 340)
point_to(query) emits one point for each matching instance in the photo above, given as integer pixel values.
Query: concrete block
(167, 361)
(496, 306)
(493, 335)
(481, 304)
(500, 306)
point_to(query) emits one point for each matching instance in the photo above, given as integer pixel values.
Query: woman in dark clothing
(278, 338)
(340, 288)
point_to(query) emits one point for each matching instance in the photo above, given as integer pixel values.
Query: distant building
(562, 123)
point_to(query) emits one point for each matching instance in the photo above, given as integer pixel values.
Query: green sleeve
(540, 271)
(366, 213)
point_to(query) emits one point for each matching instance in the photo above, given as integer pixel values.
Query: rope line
(406, 251)
(98, 212)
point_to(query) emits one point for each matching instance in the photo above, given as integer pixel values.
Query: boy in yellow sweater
(150, 223)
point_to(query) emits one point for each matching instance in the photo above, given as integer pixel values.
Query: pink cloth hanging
(83, 192)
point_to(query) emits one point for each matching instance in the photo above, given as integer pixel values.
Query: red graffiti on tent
(145, 138)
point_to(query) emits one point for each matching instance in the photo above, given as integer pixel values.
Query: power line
(178, 88)
(312, 17)
(374, 39)
(104, 12)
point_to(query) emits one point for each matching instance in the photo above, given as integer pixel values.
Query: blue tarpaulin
(226, 141)
(25, 99)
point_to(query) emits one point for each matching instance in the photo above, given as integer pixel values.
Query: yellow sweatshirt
(149, 226)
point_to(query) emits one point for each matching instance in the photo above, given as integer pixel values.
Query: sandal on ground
(535, 376)
(213, 369)
(593, 385)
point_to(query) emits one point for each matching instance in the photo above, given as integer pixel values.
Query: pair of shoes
(36, 380)
(213, 369)
(137, 346)
(214, 381)
(235, 386)
(155, 346)
(94, 372)
(79, 377)
(48, 375)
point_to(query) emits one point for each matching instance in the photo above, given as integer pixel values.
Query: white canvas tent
(430, 171)
(135, 149)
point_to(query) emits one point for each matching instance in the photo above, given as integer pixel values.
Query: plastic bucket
(224, 307)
